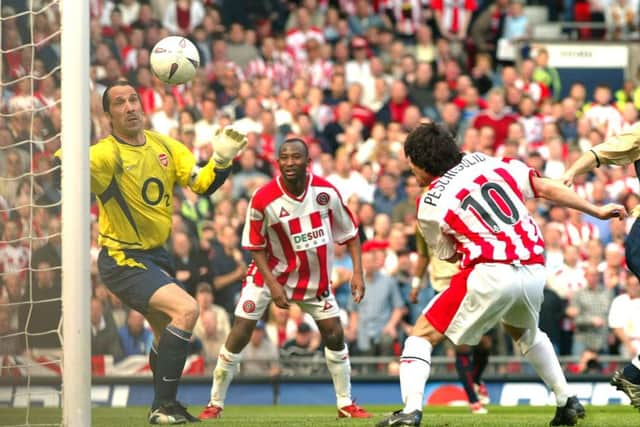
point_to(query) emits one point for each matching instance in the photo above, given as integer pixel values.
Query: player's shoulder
(511, 161)
(513, 164)
(159, 138)
(318, 181)
(266, 194)
(105, 147)
(320, 184)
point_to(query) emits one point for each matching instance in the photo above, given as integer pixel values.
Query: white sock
(340, 369)
(543, 358)
(415, 365)
(222, 375)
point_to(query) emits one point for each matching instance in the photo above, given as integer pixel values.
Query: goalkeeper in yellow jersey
(622, 149)
(133, 173)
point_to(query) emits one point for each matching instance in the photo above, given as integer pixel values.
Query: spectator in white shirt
(193, 9)
(602, 115)
(358, 69)
(348, 181)
(206, 126)
(624, 318)
(166, 119)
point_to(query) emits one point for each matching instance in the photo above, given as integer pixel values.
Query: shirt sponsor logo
(311, 239)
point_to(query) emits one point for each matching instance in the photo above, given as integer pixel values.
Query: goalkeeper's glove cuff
(220, 163)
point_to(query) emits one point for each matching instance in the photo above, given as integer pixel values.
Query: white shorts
(480, 297)
(254, 300)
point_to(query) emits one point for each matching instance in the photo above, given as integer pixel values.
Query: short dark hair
(105, 95)
(294, 140)
(432, 147)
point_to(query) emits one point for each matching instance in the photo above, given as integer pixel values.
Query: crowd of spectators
(352, 78)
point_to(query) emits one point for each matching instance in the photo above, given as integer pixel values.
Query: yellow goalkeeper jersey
(134, 187)
(621, 150)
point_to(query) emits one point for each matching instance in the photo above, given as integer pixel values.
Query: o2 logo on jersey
(322, 198)
(153, 192)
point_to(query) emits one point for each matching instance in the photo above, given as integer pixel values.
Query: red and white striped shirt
(298, 234)
(477, 209)
(577, 235)
(453, 12)
(297, 38)
(317, 73)
(278, 69)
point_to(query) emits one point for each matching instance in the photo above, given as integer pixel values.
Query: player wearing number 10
(133, 173)
(473, 213)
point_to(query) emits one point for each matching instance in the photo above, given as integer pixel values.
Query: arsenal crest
(164, 160)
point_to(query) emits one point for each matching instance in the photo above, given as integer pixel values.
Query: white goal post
(76, 283)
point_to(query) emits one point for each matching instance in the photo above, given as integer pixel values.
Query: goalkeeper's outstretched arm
(227, 143)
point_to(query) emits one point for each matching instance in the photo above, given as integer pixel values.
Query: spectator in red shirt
(495, 116)
(393, 110)
(359, 111)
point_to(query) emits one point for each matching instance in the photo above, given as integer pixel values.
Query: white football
(174, 60)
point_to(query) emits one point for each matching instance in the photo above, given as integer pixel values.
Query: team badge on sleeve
(322, 198)
(249, 306)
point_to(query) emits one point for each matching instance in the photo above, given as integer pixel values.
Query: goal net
(31, 265)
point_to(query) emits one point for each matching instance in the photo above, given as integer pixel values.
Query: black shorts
(632, 249)
(135, 275)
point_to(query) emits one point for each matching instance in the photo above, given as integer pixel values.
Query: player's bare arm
(585, 163)
(357, 280)
(418, 277)
(551, 190)
(277, 291)
(618, 150)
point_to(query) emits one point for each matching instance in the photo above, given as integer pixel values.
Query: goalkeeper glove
(227, 143)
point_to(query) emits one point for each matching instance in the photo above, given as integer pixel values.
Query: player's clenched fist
(612, 210)
(227, 143)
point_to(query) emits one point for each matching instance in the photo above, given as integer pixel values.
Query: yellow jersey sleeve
(202, 180)
(421, 244)
(620, 149)
(101, 164)
(440, 271)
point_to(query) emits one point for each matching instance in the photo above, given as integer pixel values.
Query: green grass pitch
(312, 416)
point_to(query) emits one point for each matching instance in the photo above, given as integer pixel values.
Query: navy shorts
(632, 249)
(135, 275)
